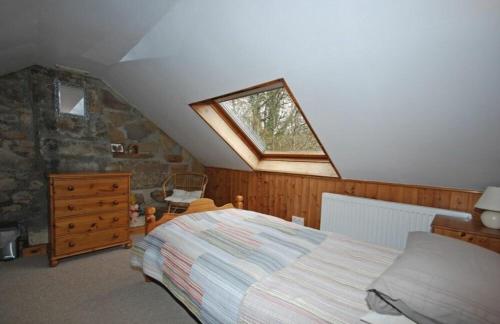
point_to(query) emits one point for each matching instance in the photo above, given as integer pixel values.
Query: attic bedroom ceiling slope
(404, 92)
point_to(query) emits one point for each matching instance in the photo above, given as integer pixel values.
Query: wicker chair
(184, 188)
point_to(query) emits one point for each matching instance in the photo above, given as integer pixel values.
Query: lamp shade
(490, 200)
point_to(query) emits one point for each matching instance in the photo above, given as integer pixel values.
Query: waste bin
(9, 234)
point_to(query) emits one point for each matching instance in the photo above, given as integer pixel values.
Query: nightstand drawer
(486, 242)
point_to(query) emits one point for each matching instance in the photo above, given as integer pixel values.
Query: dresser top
(89, 174)
(469, 226)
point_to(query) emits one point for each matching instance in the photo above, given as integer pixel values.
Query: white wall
(400, 91)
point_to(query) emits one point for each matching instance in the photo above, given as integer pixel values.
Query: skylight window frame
(262, 154)
(270, 158)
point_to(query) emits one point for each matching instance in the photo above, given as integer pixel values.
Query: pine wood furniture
(89, 212)
(471, 231)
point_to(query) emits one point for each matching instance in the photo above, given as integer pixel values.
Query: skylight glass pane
(272, 122)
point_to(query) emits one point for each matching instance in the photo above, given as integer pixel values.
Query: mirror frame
(57, 97)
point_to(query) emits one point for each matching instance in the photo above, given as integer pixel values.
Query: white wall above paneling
(397, 91)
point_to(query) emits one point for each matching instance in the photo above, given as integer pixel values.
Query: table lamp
(490, 203)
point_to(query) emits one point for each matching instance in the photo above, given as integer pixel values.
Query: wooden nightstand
(470, 231)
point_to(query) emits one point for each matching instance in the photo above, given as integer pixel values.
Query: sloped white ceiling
(399, 91)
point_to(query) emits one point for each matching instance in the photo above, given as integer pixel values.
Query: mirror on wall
(70, 99)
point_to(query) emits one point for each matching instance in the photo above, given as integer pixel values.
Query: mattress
(238, 266)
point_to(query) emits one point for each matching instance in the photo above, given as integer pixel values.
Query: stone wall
(35, 140)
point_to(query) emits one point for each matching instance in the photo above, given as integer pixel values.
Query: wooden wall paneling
(305, 198)
(315, 218)
(271, 187)
(291, 197)
(360, 189)
(371, 191)
(459, 200)
(285, 195)
(425, 197)
(442, 199)
(384, 192)
(410, 196)
(282, 187)
(471, 202)
(314, 203)
(250, 201)
(265, 194)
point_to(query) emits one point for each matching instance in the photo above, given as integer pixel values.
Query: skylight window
(270, 119)
(266, 127)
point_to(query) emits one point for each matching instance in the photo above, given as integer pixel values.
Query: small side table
(472, 231)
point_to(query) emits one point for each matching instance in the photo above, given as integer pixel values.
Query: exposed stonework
(35, 141)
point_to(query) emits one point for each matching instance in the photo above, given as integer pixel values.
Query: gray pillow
(440, 280)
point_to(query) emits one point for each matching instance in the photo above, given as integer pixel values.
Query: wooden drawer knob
(71, 207)
(462, 234)
(115, 202)
(71, 244)
(71, 225)
(71, 188)
(115, 236)
(115, 186)
(115, 219)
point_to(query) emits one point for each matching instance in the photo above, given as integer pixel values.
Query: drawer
(78, 242)
(484, 241)
(90, 223)
(91, 205)
(77, 187)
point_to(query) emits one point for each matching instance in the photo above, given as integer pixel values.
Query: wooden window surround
(307, 163)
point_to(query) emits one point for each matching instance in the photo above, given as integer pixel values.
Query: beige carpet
(94, 288)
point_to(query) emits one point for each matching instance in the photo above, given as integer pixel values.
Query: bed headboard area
(375, 221)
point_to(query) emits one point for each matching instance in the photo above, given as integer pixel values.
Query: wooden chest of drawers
(89, 211)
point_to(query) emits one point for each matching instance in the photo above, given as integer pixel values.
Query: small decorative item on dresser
(490, 203)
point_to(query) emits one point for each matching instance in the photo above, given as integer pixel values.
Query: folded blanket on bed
(233, 265)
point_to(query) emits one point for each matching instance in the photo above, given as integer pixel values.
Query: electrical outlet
(298, 220)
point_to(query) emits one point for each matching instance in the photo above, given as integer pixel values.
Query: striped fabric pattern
(231, 266)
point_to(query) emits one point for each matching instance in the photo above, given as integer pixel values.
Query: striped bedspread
(238, 266)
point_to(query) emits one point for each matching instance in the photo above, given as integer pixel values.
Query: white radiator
(375, 221)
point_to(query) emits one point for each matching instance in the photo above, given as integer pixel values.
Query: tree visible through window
(272, 122)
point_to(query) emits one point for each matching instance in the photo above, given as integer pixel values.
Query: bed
(229, 265)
